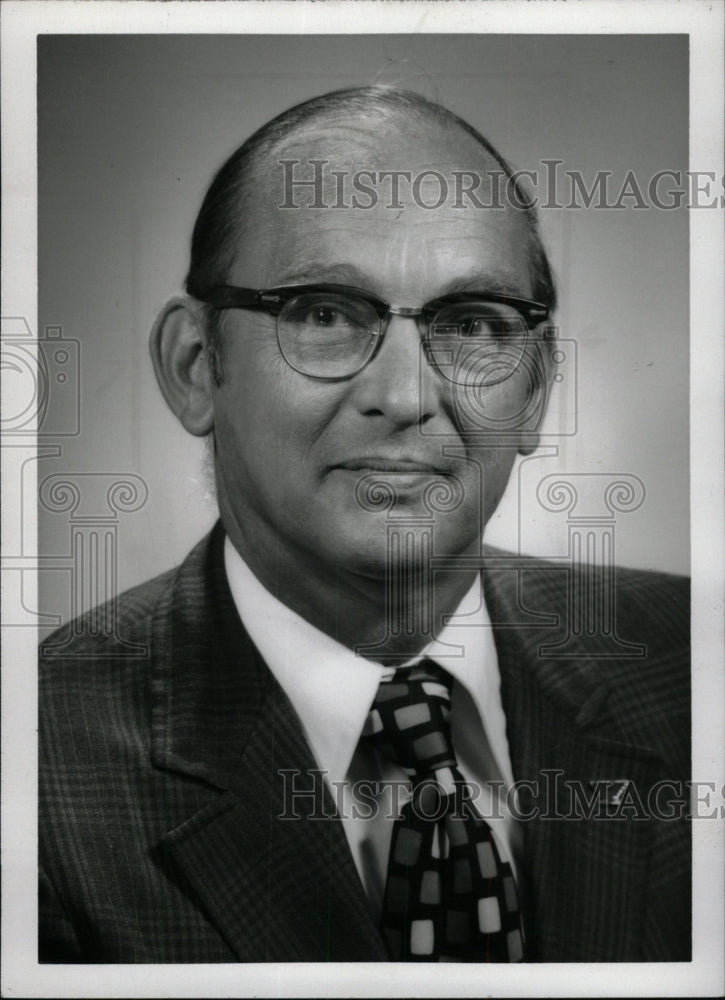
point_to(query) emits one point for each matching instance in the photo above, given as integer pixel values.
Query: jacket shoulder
(580, 632)
(649, 602)
(114, 644)
(107, 629)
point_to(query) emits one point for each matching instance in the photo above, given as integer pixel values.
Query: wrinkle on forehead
(340, 272)
(384, 259)
(280, 241)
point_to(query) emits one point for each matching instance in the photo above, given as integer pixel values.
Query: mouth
(391, 466)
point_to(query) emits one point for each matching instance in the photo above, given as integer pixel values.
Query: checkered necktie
(448, 896)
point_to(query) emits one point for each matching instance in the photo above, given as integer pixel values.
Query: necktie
(448, 895)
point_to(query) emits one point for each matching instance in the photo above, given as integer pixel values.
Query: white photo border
(21, 23)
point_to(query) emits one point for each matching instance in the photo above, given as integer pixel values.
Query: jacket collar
(568, 729)
(528, 599)
(209, 683)
(276, 890)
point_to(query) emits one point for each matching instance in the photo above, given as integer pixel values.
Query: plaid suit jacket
(161, 740)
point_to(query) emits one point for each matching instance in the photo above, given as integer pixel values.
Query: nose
(399, 383)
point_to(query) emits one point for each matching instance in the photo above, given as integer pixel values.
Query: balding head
(349, 131)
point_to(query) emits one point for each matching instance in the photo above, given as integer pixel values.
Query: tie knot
(408, 720)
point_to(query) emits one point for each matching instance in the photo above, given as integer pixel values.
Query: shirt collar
(332, 689)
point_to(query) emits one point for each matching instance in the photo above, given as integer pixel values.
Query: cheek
(486, 414)
(272, 414)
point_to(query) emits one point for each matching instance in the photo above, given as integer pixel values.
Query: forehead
(384, 203)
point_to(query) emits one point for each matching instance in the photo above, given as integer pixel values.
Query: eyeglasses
(329, 331)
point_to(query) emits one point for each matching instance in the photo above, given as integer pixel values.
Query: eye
(330, 313)
(325, 315)
(498, 327)
(476, 324)
(478, 321)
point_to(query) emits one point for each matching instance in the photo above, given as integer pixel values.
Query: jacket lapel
(276, 889)
(587, 837)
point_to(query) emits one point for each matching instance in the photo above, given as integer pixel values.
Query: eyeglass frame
(273, 301)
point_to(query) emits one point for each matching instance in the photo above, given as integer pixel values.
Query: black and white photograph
(362, 487)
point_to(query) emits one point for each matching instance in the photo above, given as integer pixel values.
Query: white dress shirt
(332, 689)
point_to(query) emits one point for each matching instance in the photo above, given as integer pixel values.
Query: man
(365, 337)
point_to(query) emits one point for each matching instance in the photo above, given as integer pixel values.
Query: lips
(379, 463)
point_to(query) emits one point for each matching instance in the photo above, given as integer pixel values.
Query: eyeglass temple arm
(233, 297)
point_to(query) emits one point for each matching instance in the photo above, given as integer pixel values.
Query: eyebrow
(494, 284)
(349, 274)
(341, 273)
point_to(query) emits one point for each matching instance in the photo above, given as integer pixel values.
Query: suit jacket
(161, 740)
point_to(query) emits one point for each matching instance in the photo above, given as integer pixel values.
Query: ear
(177, 345)
(542, 376)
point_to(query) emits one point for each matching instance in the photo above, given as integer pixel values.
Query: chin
(396, 544)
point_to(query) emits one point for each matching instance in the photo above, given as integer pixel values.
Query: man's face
(292, 449)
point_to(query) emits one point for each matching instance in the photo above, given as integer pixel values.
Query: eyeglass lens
(333, 335)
